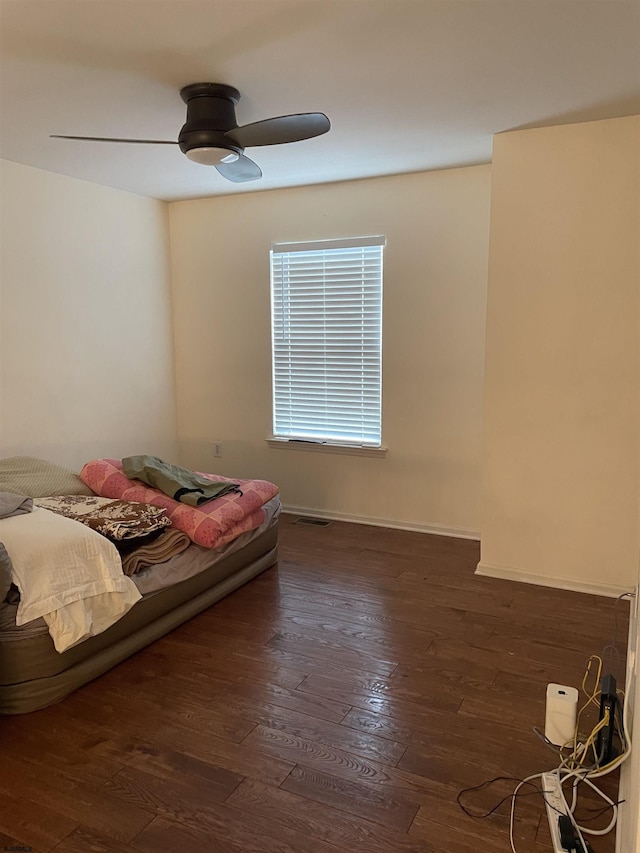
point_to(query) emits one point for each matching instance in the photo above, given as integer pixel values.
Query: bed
(34, 675)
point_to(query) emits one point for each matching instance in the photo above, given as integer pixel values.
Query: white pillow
(67, 573)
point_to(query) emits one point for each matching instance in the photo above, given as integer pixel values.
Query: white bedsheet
(66, 573)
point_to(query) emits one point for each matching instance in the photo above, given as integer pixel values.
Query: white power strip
(556, 806)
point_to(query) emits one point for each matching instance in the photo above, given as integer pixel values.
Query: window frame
(371, 286)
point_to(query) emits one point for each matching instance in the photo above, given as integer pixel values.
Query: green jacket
(178, 483)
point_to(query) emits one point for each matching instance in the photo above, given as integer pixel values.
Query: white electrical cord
(563, 772)
(580, 775)
(513, 806)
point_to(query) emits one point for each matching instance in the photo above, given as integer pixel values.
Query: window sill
(317, 447)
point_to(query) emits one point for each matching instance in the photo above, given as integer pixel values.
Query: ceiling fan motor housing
(210, 114)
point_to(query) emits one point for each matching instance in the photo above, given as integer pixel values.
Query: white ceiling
(409, 85)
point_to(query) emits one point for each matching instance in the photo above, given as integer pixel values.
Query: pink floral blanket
(211, 524)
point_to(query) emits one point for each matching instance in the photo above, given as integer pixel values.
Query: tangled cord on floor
(579, 760)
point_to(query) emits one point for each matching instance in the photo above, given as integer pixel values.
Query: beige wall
(628, 834)
(436, 226)
(86, 361)
(560, 501)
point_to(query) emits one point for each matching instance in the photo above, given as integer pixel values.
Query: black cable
(595, 813)
(539, 791)
(569, 838)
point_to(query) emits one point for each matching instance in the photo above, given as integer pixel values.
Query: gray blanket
(11, 504)
(5, 572)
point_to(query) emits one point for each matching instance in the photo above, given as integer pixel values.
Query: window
(326, 302)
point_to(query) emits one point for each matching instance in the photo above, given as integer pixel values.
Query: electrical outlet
(556, 806)
(217, 449)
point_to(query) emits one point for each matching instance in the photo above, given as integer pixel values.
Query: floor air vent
(316, 522)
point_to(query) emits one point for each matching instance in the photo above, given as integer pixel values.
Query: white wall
(561, 474)
(86, 355)
(436, 226)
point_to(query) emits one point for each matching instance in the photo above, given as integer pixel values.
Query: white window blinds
(326, 300)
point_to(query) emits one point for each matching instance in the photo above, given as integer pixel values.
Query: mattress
(33, 674)
(154, 578)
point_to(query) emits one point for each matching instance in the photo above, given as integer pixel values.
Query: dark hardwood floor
(339, 702)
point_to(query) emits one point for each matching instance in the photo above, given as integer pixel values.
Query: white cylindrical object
(562, 710)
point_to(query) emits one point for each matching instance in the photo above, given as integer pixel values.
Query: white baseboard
(416, 527)
(511, 573)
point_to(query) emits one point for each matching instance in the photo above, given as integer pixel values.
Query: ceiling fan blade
(109, 139)
(274, 131)
(241, 170)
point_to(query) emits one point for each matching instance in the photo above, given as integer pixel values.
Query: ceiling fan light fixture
(212, 156)
(211, 135)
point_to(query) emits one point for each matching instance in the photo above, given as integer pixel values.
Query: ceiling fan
(211, 135)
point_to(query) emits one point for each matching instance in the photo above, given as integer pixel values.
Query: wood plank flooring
(339, 702)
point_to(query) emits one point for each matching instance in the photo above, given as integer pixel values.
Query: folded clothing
(115, 519)
(182, 485)
(157, 548)
(212, 524)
